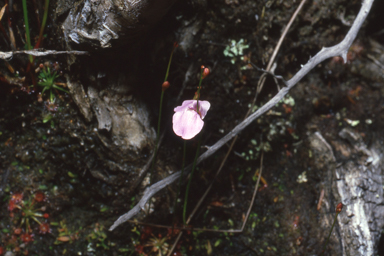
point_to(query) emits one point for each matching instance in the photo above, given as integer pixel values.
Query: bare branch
(38, 52)
(340, 49)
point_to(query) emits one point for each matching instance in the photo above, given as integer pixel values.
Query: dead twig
(2, 11)
(340, 49)
(38, 52)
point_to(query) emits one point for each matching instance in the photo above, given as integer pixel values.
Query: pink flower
(187, 121)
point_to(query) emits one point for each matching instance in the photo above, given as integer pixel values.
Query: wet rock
(125, 117)
(125, 135)
(80, 98)
(103, 24)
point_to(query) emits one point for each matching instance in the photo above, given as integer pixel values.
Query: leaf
(63, 238)
(2, 11)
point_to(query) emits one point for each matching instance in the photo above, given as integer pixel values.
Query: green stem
(169, 65)
(159, 122)
(45, 16)
(180, 180)
(25, 11)
(198, 90)
(189, 181)
(334, 222)
(157, 142)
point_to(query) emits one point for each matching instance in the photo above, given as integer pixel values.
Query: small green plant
(47, 80)
(235, 49)
(65, 235)
(25, 211)
(158, 244)
(100, 237)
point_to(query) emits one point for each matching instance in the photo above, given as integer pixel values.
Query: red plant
(44, 228)
(17, 197)
(140, 249)
(26, 238)
(39, 197)
(17, 231)
(146, 232)
(11, 205)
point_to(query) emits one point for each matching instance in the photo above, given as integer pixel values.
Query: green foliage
(100, 237)
(235, 49)
(65, 235)
(47, 80)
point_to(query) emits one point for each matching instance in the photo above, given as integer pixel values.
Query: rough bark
(354, 178)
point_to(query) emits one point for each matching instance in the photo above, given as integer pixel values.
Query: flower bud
(165, 85)
(339, 207)
(205, 72)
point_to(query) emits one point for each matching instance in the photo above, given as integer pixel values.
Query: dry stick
(258, 90)
(38, 52)
(325, 53)
(2, 11)
(274, 54)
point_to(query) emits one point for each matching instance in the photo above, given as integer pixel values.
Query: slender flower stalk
(339, 207)
(164, 86)
(45, 16)
(28, 37)
(187, 123)
(203, 73)
(179, 186)
(189, 181)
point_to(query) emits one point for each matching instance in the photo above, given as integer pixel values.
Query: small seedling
(100, 237)
(47, 80)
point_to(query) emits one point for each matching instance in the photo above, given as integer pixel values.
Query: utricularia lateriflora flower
(188, 120)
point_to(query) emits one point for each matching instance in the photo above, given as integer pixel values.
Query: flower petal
(186, 104)
(187, 124)
(204, 107)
